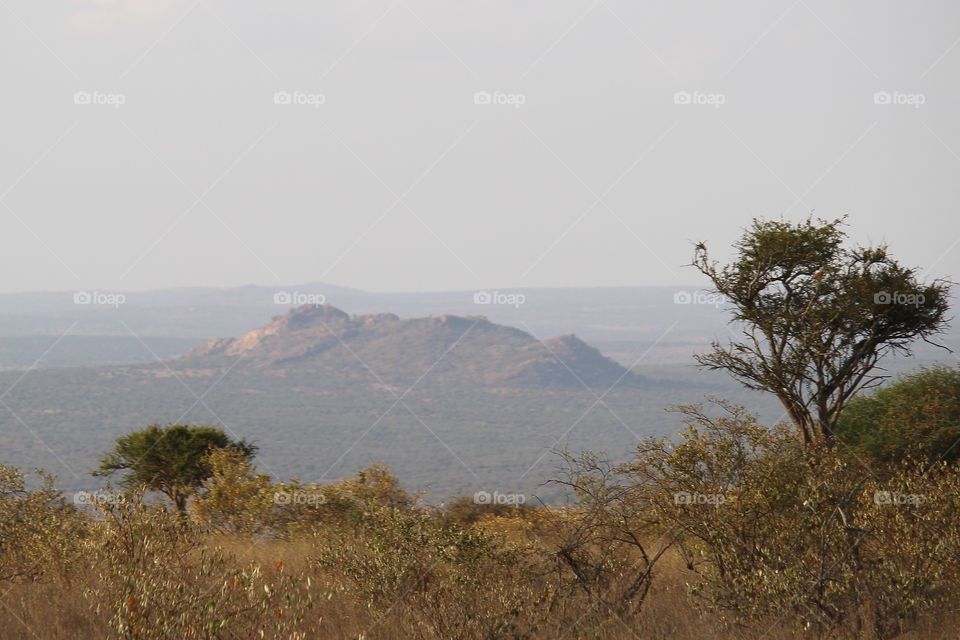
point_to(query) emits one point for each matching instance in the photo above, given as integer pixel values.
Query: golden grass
(60, 609)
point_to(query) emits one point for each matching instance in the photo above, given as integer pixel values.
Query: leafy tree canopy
(171, 459)
(815, 316)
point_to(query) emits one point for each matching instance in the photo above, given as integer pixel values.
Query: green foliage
(817, 316)
(171, 460)
(918, 415)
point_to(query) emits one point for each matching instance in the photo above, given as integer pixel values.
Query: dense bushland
(736, 530)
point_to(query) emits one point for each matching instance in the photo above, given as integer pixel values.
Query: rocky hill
(323, 340)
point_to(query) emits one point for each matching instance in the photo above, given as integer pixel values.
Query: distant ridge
(323, 340)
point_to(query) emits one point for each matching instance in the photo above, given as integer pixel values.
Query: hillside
(384, 348)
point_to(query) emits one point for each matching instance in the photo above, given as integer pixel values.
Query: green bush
(918, 415)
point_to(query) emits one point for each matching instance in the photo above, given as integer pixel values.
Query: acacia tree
(172, 459)
(817, 316)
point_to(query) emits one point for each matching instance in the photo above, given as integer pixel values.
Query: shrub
(772, 528)
(156, 580)
(441, 580)
(303, 508)
(916, 416)
(465, 511)
(39, 531)
(603, 546)
(235, 499)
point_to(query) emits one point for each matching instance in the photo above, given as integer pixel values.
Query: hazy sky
(584, 170)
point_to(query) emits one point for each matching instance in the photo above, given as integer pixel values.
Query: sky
(419, 145)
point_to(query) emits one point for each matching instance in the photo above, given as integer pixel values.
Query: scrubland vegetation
(842, 522)
(736, 531)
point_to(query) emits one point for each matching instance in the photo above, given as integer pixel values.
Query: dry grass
(60, 609)
(367, 561)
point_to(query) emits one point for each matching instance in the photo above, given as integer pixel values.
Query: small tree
(172, 460)
(817, 316)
